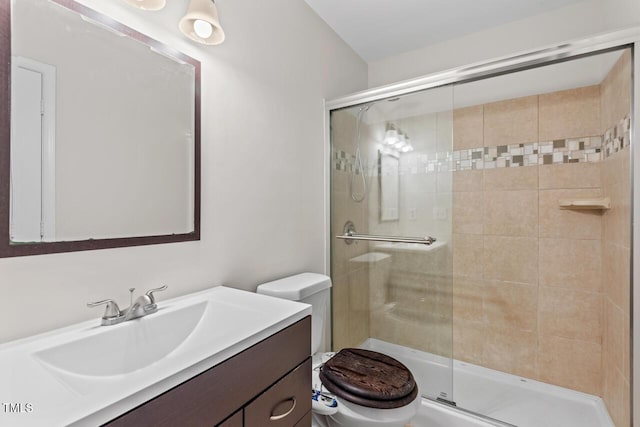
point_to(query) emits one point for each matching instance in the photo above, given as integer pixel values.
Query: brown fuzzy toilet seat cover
(369, 378)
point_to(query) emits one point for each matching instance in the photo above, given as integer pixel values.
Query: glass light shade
(202, 28)
(194, 23)
(147, 4)
(391, 137)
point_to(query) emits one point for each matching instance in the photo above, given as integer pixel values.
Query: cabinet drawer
(233, 421)
(284, 403)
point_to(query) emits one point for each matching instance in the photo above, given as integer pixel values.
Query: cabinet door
(284, 403)
(233, 421)
(305, 421)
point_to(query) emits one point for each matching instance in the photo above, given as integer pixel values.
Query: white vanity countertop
(86, 374)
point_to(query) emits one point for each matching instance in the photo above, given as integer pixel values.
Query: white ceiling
(377, 29)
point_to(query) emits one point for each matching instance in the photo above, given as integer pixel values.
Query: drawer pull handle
(281, 416)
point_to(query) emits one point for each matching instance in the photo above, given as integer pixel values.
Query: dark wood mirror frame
(11, 250)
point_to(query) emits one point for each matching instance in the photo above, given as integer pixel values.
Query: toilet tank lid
(296, 287)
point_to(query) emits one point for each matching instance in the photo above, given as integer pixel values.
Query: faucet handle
(150, 292)
(111, 310)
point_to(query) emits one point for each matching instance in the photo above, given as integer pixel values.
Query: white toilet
(339, 398)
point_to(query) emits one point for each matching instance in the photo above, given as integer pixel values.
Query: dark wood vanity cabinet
(236, 420)
(266, 385)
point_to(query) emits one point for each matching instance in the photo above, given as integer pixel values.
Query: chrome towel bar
(394, 239)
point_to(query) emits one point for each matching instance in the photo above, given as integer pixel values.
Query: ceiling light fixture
(147, 4)
(401, 141)
(395, 142)
(391, 135)
(201, 23)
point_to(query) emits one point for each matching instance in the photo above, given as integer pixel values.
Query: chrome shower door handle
(348, 237)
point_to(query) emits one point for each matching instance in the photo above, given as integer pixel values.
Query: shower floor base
(515, 400)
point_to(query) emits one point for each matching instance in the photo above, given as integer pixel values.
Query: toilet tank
(310, 288)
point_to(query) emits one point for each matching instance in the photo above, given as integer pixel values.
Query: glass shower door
(542, 290)
(391, 191)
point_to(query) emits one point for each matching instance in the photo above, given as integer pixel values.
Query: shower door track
(573, 49)
(476, 415)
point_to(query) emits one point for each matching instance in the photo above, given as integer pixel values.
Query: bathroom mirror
(389, 187)
(99, 133)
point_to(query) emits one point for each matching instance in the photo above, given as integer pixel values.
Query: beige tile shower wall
(574, 112)
(616, 250)
(616, 93)
(616, 285)
(350, 292)
(528, 295)
(513, 121)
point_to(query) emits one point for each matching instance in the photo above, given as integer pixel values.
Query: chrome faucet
(143, 305)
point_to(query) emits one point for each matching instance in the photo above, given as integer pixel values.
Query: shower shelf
(601, 203)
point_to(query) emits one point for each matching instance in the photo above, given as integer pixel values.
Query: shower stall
(480, 232)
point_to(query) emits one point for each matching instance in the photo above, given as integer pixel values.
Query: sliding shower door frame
(574, 49)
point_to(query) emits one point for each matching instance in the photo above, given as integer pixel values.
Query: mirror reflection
(102, 129)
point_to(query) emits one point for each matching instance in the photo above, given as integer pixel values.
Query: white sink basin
(125, 347)
(86, 375)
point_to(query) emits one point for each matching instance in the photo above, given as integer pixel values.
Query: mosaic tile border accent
(617, 138)
(573, 150)
(560, 151)
(343, 161)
